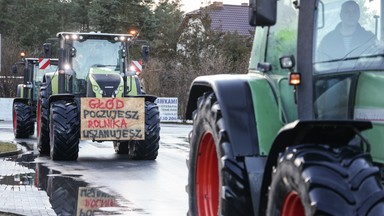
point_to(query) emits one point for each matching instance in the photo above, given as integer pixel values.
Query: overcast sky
(190, 5)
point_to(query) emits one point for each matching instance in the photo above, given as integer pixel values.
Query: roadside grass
(7, 147)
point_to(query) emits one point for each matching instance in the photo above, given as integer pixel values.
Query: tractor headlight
(101, 91)
(95, 88)
(121, 88)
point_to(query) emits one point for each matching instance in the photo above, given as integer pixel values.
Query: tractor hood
(105, 82)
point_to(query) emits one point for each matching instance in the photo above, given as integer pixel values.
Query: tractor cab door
(348, 65)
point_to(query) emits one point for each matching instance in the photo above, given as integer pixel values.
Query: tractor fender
(66, 97)
(56, 97)
(234, 96)
(150, 98)
(22, 100)
(333, 133)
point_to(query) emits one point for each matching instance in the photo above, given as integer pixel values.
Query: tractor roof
(35, 59)
(94, 35)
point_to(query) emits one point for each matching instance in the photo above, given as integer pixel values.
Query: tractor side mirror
(145, 52)
(47, 50)
(262, 12)
(14, 69)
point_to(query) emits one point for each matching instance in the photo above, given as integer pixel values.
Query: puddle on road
(67, 194)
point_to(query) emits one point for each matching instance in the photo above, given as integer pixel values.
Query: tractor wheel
(64, 130)
(23, 124)
(147, 149)
(217, 182)
(319, 180)
(63, 195)
(43, 123)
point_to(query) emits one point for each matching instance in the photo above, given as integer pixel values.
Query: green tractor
(24, 105)
(302, 132)
(93, 66)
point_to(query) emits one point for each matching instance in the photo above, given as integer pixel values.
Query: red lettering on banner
(98, 203)
(107, 123)
(119, 104)
(113, 103)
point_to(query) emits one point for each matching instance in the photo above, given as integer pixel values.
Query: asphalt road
(137, 187)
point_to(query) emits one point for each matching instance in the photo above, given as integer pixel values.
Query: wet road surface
(100, 182)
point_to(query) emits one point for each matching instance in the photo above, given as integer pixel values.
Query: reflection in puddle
(18, 179)
(67, 194)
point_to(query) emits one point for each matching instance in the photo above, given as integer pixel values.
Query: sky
(190, 5)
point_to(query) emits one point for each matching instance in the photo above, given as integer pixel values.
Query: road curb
(11, 153)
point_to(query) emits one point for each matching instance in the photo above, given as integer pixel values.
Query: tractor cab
(96, 65)
(33, 71)
(336, 50)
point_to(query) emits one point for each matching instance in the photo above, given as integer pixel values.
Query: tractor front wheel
(64, 130)
(145, 149)
(319, 180)
(217, 181)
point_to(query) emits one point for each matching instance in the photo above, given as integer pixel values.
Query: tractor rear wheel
(217, 182)
(319, 180)
(146, 149)
(43, 122)
(64, 130)
(23, 125)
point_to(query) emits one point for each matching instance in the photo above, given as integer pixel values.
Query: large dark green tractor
(24, 104)
(302, 132)
(93, 65)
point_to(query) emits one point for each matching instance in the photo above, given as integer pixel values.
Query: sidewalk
(17, 196)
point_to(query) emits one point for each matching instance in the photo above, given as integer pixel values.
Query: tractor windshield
(41, 68)
(95, 52)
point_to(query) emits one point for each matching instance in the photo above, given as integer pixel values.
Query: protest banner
(112, 119)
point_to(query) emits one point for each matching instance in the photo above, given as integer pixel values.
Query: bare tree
(9, 81)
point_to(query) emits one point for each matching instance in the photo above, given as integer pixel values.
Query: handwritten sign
(91, 199)
(112, 119)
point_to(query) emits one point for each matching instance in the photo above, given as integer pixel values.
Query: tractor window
(348, 36)
(278, 40)
(94, 52)
(39, 74)
(348, 54)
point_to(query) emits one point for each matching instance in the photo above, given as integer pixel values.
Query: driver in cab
(348, 36)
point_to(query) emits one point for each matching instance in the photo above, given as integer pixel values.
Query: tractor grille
(108, 83)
